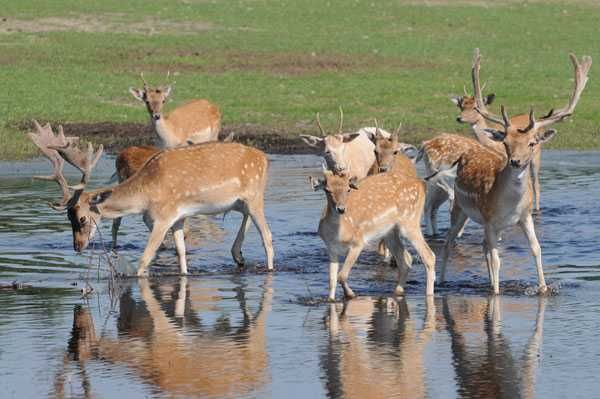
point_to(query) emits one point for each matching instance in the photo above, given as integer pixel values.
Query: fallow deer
(496, 192)
(344, 152)
(388, 206)
(195, 122)
(208, 178)
(469, 115)
(128, 162)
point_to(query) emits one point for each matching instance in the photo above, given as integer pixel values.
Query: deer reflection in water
(482, 357)
(375, 349)
(164, 340)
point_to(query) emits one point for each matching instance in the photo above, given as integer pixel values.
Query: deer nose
(459, 119)
(383, 169)
(340, 209)
(515, 163)
(155, 116)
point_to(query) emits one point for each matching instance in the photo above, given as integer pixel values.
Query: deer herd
(373, 193)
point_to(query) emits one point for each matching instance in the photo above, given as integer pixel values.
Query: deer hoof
(399, 291)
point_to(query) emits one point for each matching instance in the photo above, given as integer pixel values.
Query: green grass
(276, 63)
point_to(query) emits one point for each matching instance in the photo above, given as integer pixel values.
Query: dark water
(222, 333)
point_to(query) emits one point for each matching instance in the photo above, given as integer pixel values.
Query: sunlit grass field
(274, 64)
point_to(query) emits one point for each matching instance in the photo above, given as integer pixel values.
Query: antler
(581, 77)
(505, 121)
(341, 120)
(45, 139)
(477, 90)
(320, 127)
(84, 161)
(144, 80)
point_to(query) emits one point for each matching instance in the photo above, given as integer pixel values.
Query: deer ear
(353, 183)
(409, 150)
(545, 136)
(346, 138)
(456, 100)
(100, 198)
(312, 141)
(137, 93)
(489, 99)
(316, 184)
(496, 135)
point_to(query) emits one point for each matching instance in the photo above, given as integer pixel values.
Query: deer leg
(115, 230)
(534, 169)
(333, 274)
(186, 228)
(534, 245)
(462, 229)
(434, 199)
(236, 249)
(416, 239)
(156, 237)
(351, 258)
(257, 214)
(179, 237)
(402, 257)
(457, 220)
(491, 239)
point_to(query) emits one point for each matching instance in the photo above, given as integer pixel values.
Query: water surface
(228, 333)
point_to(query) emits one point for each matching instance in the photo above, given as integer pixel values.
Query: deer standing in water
(388, 206)
(210, 178)
(195, 122)
(496, 192)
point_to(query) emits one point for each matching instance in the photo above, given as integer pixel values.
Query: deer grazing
(195, 122)
(496, 192)
(210, 178)
(388, 206)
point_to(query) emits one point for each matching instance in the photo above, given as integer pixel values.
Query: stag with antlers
(496, 192)
(173, 184)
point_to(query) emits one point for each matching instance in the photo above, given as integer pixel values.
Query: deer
(127, 163)
(386, 205)
(496, 192)
(195, 122)
(173, 184)
(467, 105)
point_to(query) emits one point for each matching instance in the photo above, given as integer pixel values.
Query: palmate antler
(581, 76)
(58, 148)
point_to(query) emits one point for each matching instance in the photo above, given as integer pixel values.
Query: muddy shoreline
(117, 136)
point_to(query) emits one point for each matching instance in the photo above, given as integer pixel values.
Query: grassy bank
(276, 63)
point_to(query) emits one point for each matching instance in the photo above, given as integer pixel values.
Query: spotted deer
(173, 184)
(388, 206)
(468, 115)
(128, 162)
(496, 192)
(195, 122)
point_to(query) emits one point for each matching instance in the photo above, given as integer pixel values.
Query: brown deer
(195, 122)
(468, 114)
(128, 162)
(208, 178)
(387, 205)
(496, 192)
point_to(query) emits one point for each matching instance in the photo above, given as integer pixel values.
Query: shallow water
(229, 333)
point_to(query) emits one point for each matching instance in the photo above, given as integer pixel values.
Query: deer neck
(482, 137)
(164, 130)
(124, 200)
(513, 185)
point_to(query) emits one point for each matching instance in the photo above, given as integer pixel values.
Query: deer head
(385, 148)
(81, 207)
(337, 188)
(332, 146)
(467, 104)
(153, 97)
(520, 143)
